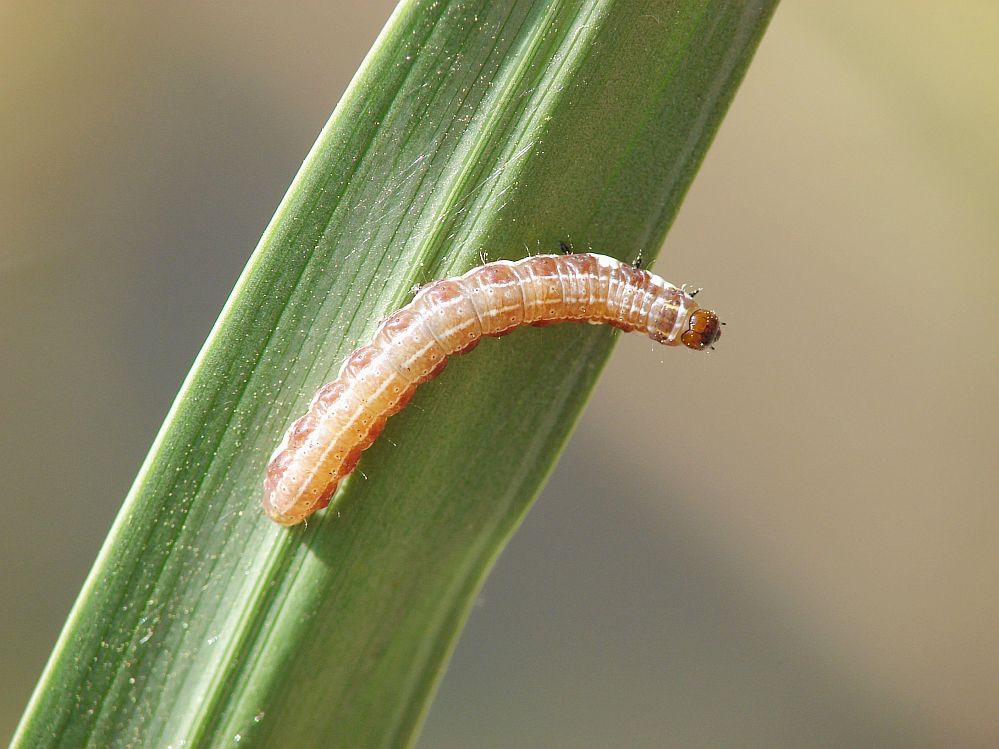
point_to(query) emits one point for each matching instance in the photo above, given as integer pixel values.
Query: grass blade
(473, 127)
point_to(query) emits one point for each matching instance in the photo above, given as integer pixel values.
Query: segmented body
(450, 317)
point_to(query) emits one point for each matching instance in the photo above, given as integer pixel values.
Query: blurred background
(789, 542)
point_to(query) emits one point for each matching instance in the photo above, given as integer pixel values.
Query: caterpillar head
(703, 329)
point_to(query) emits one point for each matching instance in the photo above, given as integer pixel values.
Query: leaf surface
(473, 129)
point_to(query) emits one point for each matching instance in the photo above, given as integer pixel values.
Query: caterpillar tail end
(288, 507)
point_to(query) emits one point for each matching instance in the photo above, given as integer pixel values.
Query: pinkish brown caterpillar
(450, 317)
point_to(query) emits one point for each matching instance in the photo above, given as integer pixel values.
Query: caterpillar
(450, 317)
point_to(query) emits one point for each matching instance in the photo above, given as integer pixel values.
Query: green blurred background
(789, 542)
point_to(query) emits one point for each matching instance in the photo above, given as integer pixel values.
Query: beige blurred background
(789, 542)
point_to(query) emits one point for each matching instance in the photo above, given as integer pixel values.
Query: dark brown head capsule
(703, 329)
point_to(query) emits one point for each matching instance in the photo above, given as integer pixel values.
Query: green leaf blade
(473, 127)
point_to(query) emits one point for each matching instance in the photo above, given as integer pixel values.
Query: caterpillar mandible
(450, 317)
